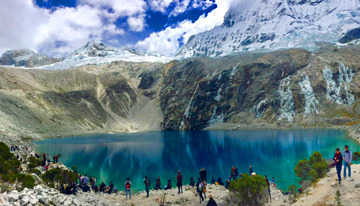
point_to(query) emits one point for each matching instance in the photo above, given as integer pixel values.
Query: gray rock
(25, 200)
(13, 197)
(357, 185)
(43, 199)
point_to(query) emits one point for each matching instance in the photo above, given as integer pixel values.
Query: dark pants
(338, 170)
(201, 196)
(269, 191)
(147, 191)
(179, 185)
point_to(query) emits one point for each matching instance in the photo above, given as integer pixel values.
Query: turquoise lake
(135, 155)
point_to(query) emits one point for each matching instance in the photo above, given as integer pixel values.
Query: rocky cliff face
(284, 89)
(26, 58)
(276, 24)
(292, 88)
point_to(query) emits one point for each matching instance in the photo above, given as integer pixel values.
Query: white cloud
(181, 7)
(160, 5)
(40, 29)
(166, 41)
(136, 23)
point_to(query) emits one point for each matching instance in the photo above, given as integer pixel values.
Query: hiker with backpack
(347, 157)
(147, 185)
(128, 187)
(200, 189)
(179, 182)
(338, 158)
(204, 189)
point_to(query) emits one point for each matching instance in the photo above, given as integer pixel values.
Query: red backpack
(128, 185)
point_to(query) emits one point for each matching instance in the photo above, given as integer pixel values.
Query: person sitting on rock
(220, 182)
(158, 184)
(213, 181)
(111, 186)
(102, 187)
(192, 182)
(211, 201)
(168, 186)
(227, 184)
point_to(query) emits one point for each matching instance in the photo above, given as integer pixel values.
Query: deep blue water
(153, 154)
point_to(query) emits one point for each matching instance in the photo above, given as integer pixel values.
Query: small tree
(33, 163)
(302, 169)
(355, 156)
(338, 198)
(292, 192)
(250, 190)
(313, 169)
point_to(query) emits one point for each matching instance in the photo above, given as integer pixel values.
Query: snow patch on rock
(286, 100)
(338, 90)
(310, 100)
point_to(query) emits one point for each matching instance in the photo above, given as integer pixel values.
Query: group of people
(46, 160)
(339, 158)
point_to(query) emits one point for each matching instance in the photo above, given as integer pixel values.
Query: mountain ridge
(274, 25)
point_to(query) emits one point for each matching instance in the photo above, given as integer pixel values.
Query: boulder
(25, 200)
(13, 197)
(357, 185)
(43, 199)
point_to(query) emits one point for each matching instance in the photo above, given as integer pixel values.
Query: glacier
(276, 24)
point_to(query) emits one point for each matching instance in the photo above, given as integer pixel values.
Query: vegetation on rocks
(248, 190)
(56, 177)
(9, 169)
(313, 169)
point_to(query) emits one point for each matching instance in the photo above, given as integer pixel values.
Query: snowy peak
(96, 53)
(25, 58)
(276, 24)
(98, 49)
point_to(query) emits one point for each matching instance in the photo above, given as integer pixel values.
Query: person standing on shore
(128, 188)
(179, 182)
(203, 174)
(147, 185)
(338, 158)
(347, 156)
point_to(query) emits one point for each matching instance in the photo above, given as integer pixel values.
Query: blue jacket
(347, 156)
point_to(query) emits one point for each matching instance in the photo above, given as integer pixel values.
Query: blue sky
(57, 27)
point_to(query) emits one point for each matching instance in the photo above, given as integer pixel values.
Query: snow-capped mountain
(276, 24)
(99, 53)
(25, 58)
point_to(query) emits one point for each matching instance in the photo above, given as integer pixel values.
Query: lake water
(153, 154)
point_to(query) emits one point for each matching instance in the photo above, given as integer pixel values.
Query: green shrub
(302, 169)
(26, 180)
(313, 175)
(9, 169)
(33, 163)
(249, 190)
(56, 177)
(355, 156)
(315, 168)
